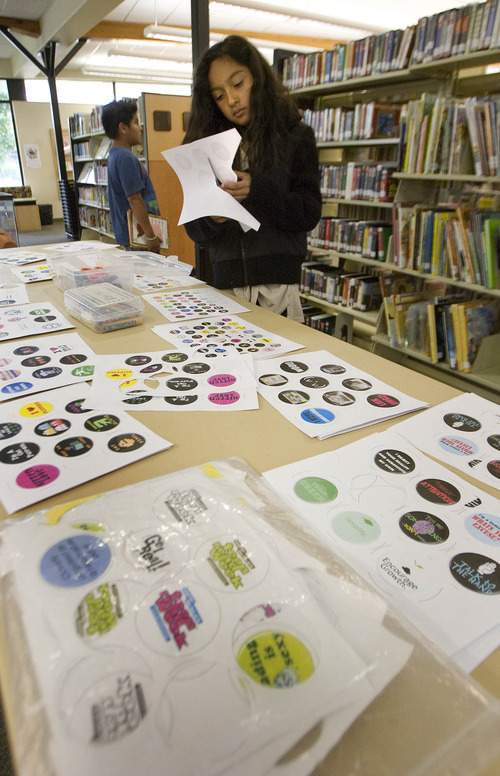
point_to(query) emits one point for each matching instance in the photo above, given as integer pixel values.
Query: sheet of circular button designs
(28, 319)
(34, 273)
(426, 539)
(323, 395)
(44, 363)
(186, 305)
(162, 282)
(171, 380)
(50, 443)
(13, 294)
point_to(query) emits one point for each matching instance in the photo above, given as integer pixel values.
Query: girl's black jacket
(287, 203)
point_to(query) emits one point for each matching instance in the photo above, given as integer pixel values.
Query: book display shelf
(408, 246)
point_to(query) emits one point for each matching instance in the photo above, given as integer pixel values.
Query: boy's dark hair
(115, 113)
(273, 111)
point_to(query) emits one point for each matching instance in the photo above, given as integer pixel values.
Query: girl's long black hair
(273, 111)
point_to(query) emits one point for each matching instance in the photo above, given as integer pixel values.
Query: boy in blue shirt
(129, 184)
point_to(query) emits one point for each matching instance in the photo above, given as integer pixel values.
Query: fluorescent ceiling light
(135, 75)
(174, 34)
(150, 57)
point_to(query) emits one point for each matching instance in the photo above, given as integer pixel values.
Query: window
(10, 169)
(77, 92)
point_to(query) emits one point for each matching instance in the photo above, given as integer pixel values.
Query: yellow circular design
(119, 374)
(276, 659)
(128, 384)
(35, 409)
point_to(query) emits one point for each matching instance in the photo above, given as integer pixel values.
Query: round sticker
(407, 572)
(355, 527)
(221, 380)
(9, 430)
(44, 318)
(424, 527)
(71, 447)
(438, 492)
(35, 409)
(174, 358)
(100, 423)
(150, 369)
(15, 388)
(484, 527)
(19, 452)
(315, 490)
(40, 311)
(314, 382)
(224, 399)
(356, 384)
(394, 461)
(382, 400)
(73, 358)
(332, 369)
(75, 561)
(476, 572)
(75, 407)
(180, 401)
(460, 422)
(83, 371)
(186, 506)
(232, 563)
(494, 468)
(494, 441)
(35, 361)
(126, 443)
(276, 659)
(99, 612)
(295, 367)
(181, 384)
(273, 379)
(52, 427)
(458, 446)
(293, 397)
(49, 371)
(137, 400)
(156, 551)
(317, 415)
(178, 619)
(138, 360)
(339, 398)
(26, 350)
(119, 374)
(196, 368)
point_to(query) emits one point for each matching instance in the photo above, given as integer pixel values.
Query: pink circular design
(224, 399)
(37, 476)
(222, 380)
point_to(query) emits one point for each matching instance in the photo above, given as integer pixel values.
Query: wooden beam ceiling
(29, 27)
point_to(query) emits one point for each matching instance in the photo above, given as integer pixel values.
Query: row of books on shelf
(454, 242)
(96, 195)
(368, 181)
(454, 32)
(317, 319)
(365, 121)
(94, 172)
(448, 135)
(367, 239)
(337, 285)
(447, 328)
(86, 123)
(95, 219)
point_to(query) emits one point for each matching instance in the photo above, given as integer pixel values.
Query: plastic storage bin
(104, 307)
(78, 270)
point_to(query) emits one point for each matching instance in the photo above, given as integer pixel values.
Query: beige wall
(34, 126)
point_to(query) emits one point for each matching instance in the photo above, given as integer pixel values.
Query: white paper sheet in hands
(199, 166)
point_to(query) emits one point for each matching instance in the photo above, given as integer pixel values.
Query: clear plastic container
(80, 270)
(104, 307)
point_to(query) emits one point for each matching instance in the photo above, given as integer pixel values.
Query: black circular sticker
(424, 527)
(138, 360)
(73, 446)
(49, 371)
(52, 427)
(45, 318)
(73, 358)
(273, 379)
(9, 430)
(314, 382)
(476, 572)
(182, 384)
(19, 453)
(151, 369)
(180, 401)
(382, 400)
(339, 398)
(293, 397)
(438, 492)
(25, 350)
(137, 400)
(196, 368)
(461, 422)
(356, 384)
(333, 369)
(35, 361)
(394, 461)
(101, 422)
(174, 358)
(494, 441)
(494, 468)
(75, 407)
(126, 443)
(296, 367)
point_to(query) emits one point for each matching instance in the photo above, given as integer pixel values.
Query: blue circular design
(458, 445)
(75, 561)
(17, 388)
(317, 415)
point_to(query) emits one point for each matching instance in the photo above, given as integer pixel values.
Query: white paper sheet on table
(187, 305)
(20, 256)
(199, 166)
(427, 540)
(79, 246)
(13, 293)
(33, 273)
(27, 319)
(162, 282)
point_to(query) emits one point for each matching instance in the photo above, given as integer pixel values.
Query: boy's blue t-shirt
(127, 176)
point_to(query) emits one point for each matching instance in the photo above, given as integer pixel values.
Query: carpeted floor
(51, 233)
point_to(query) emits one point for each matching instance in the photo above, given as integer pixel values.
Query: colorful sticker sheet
(170, 380)
(27, 319)
(20, 256)
(34, 273)
(464, 432)
(163, 282)
(44, 363)
(50, 444)
(216, 338)
(141, 602)
(323, 395)
(195, 303)
(427, 540)
(13, 293)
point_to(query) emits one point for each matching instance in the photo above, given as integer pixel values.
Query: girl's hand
(241, 189)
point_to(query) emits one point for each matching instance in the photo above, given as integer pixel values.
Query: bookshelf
(433, 69)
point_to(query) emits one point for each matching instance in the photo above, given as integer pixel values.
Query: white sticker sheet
(213, 338)
(51, 444)
(426, 539)
(171, 381)
(31, 319)
(163, 282)
(13, 293)
(34, 273)
(323, 395)
(44, 363)
(139, 602)
(464, 432)
(20, 256)
(80, 246)
(194, 303)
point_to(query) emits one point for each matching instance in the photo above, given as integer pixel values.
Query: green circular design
(315, 490)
